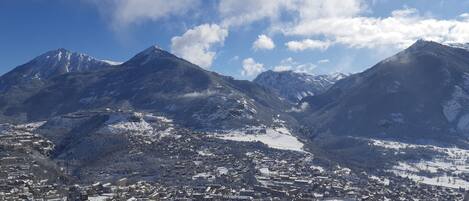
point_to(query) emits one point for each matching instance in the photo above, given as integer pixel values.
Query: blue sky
(240, 38)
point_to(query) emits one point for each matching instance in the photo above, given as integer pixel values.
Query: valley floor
(222, 166)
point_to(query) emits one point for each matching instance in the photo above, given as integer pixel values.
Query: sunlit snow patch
(447, 170)
(277, 138)
(147, 127)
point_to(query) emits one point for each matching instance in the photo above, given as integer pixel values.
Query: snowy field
(444, 170)
(147, 127)
(277, 138)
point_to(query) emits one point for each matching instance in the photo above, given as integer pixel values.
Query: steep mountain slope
(157, 81)
(421, 93)
(293, 86)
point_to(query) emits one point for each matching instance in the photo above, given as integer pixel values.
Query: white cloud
(400, 30)
(251, 67)
(241, 12)
(464, 16)
(236, 13)
(323, 61)
(307, 44)
(344, 22)
(289, 64)
(196, 44)
(124, 12)
(263, 42)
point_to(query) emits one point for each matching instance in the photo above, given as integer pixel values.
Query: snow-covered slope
(61, 61)
(447, 166)
(294, 86)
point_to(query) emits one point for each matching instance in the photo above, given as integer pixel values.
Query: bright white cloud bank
(251, 67)
(343, 22)
(401, 29)
(333, 21)
(196, 44)
(263, 42)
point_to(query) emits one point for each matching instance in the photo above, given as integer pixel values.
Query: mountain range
(144, 117)
(61, 82)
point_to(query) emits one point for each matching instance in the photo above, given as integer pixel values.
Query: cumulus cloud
(307, 44)
(251, 67)
(400, 29)
(289, 64)
(343, 22)
(263, 42)
(196, 44)
(123, 13)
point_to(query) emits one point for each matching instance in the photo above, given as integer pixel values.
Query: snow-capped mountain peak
(294, 86)
(150, 54)
(61, 61)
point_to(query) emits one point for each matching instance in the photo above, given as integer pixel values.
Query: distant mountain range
(293, 86)
(420, 93)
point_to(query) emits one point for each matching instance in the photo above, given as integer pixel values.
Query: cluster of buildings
(199, 167)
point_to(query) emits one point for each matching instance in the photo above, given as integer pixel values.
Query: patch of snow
(440, 170)
(302, 107)
(453, 107)
(146, 127)
(201, 94)
(114, 63)
(383, 181)
(412, 172)
(277, 138)
(222, 170)
(99, 198)
(265, 171)
(204, 153)
(30, 127)
(463, 123)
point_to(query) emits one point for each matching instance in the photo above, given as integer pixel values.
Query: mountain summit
(48, 65)
(294, 86)
(58, 62)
